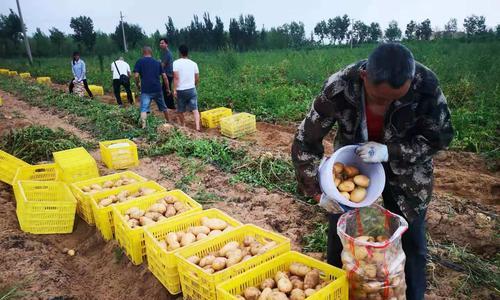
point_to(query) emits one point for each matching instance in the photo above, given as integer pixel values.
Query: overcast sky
(152, 14)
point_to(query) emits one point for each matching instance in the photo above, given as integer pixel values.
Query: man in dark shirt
(149, 70)
(166, 63)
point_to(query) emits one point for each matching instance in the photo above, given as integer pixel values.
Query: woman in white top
(79, 73)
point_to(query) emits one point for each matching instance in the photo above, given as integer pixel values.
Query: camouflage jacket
(415, 127)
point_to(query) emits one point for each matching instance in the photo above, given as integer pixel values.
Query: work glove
(373, 152)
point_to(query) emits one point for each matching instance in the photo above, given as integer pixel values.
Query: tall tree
(451, 27)
(84, 35)
(297, 34)
(411, 28)
(321, 30)
(172, 32)
(475, 25)
(219, 37)
(375, 32)
(57, 38)
(498, 30)
(10, 32)
(343, 27)
(133, 32)
(393, 33)
(234, 33)
(361, 32)
(424, 30)
(41, 45)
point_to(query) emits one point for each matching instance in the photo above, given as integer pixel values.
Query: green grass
(34, 144)
(279, 85)
(317, 240)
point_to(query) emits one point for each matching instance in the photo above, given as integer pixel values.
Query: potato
(370, 271)
(146, 191)
(254, 249)
(133, 223)
(360, 252)
(199, 229)
(351, 171)
(249, 240)
(219, 263)
(158, 207)
(297, 294)
(362, 180)
(311, 280)
(233, 260)
(346, 195)
(299, 269)
(171, 238)
(251, 293)
(144, 221)
(193, 259)
(214, 223)
(372, 286)
(364, 238)
(214, 232)
(358, 194)
(234, 252)
(209, 270)
(180, 234)
(137, 213)
(229, 246)
(381, 238)
(297, 283)
(179, 205)
(243, 298)
(188, 239)
(96, 187)
(107, 184)
(338, 168)
(228, 228)
(201, 236)
(346, 186)
(267, 247)
(105, 202)
(285, 285)
(86, 189)
(377, 258)
(279, 275)
(163, 244)
(336, 181)
(155, 216)
(170, 199)
(170, 212)
(246, 257)
(267, 283)
(266, 293)
(309, 292)
(207, 260)
(277, 296)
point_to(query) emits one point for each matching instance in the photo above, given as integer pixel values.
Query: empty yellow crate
(337, 289)
(45, 207)
(103, 216)
(45, 172)
(76, 164)
(8, 166)
(238, 125)
(198, 284)
(123, 96)
(96, 90)
(4, 71)
(25, 75)
(83, 207)
(119, 154)
(12, 73)
(211, 118)
(162, 263)
(44, 80)
(132, 239)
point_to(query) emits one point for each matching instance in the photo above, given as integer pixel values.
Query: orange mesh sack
(373, 256)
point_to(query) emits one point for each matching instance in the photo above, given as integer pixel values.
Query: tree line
(242, 34)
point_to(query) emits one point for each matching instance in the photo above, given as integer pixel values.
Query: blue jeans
(146, 101)
(414, 245)
(187, 100)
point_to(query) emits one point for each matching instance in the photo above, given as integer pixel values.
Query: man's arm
(176, 82)
(165, 80)
(137, 81)
(307, 148)
(435, 133)
(196, 78)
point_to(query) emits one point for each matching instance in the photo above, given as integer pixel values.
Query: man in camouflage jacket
(416, 124)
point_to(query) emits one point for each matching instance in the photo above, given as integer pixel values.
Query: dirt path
(460, 213)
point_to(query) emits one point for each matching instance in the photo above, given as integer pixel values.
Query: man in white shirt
(186, 78)
(121, 76)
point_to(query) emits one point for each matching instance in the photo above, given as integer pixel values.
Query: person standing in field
(79, 73)
(394, 108)
(167, 61)
(121, 76)
(147, 72)
(186, 78)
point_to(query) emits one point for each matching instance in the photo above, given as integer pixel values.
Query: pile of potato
(350, 183)
(374, 272)
(298, 283)
(125, 196)
(208, 227)
(161, 210)
(108, 185)
(231, 254)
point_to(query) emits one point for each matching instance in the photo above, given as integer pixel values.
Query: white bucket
(348, 156)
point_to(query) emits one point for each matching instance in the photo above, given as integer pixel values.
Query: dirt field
(464, 211)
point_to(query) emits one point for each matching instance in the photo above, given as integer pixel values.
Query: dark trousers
(414, 245)
(85, 84)
(169, 98)
(116, 89)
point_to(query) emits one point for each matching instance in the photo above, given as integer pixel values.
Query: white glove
(373, 152)
(330, 205)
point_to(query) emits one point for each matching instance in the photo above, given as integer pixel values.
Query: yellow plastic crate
(121, 156)
(45, 207)
(1, 101)
(45, 172)
(8, 166)
(132, 240)
(123, 95)
(162, 263)
(337, 289)
(25, 75)
(4, 71)
(211, 118)
(83, 208)
(76, 164)
(103, 216)
(198, 284)
(96, 90)
(12, 73)
(238, 125)
(44, 80)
